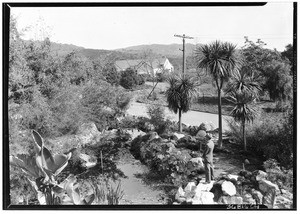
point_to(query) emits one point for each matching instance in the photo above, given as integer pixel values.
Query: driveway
(193, 118)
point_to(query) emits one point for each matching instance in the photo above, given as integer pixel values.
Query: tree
(245, 81)
(272, 69)
(220, 60)
(179, 95)
(243, 89)
(289, 54)
(243, 111)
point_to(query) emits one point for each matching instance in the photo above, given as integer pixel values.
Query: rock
(178, 135)
(257, 195)
(195, 164)
(190, 187)
(247, 199)
(269, 191)
(87, 129)
(176, 203)
(260, 175)
(203, 198)
(231, 200)
(234, 177)
(266, 186)
(134, 133)
(179, 197)
(228, 188)
(204, 187)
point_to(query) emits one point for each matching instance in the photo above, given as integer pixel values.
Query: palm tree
(243, 110)
(220, 60)
(244, 80)
(179, 95)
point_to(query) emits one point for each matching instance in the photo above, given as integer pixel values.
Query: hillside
(171, 50)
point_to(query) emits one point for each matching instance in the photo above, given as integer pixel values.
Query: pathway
(193, 118)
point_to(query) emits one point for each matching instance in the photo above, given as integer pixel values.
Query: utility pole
(183, 49)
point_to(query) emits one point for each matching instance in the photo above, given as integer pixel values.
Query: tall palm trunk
(244, 135)
(180, 124)
(220, 118)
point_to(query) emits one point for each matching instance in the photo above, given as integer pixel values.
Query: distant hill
(171, 50)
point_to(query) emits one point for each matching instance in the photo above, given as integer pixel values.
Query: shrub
(156, 114)
(162, 157)
(130, 79)
(269, 137)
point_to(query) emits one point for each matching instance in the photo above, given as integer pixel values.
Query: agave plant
(42, 169)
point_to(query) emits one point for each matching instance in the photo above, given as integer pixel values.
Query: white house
(146, 66)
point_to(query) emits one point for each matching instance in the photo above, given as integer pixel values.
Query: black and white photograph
(159, 106)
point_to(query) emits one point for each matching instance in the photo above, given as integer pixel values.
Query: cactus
(42, 169)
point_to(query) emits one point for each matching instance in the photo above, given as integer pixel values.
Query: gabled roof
(122, 65)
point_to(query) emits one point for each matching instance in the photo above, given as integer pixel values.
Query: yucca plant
(179, 95)
(42, 169)
(243, 110)
(220, 59)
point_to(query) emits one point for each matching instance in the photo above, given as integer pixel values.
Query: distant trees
(220, 60)
(179, 95)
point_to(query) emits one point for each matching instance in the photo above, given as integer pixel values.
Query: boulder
(191, 186)
(87, 129)
(179, 196)
(260, 175)
(195, 164)
(267, 186)
(134, 133)
(203, 198)
(234, 177)
(231, 200)
(269, 192)
(204, 187)
(178, 136)
(228, 188)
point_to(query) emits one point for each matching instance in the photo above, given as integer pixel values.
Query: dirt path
(135, 190)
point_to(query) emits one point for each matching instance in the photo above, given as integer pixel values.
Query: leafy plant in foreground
(42, 168)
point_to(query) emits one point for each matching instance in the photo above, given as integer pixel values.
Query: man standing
(208, 158)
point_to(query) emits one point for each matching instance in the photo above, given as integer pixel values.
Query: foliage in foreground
(41, 170)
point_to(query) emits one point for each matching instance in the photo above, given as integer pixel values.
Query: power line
(183, 48)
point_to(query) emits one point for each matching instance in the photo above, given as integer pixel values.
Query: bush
(163, 158)
(156, 114)
(269, 137)
(130, 79)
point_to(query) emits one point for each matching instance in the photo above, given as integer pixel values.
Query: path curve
(193, 118)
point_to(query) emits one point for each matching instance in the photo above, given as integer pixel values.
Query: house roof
(139, 64)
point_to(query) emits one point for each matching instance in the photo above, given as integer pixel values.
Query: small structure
(142, 66)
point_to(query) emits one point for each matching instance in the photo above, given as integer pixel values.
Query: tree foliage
(220, 60)
(179, 94)
(271, 68)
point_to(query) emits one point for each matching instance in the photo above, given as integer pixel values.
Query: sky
(120, 27)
